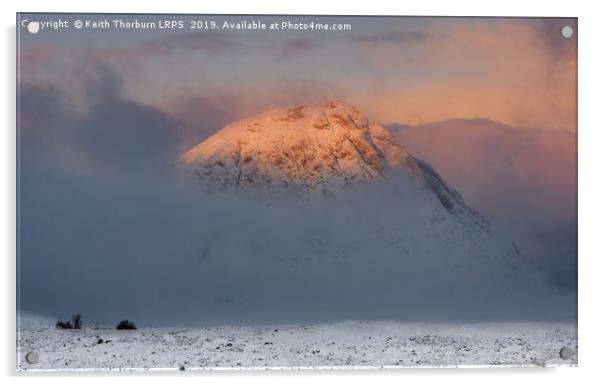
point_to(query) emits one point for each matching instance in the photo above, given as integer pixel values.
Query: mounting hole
(33, 26)
(32, 358)
(566, 31)
(566, 353)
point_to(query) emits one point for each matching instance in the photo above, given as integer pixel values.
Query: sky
(104, 115)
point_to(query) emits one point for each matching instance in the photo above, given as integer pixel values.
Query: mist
(524, 180)
(162, 251)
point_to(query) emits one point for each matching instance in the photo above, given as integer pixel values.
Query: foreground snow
(343, 344)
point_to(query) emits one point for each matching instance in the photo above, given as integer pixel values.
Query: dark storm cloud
(119, 133)
(113, 135)
(42, 109)
(103, 85)
(45, 119)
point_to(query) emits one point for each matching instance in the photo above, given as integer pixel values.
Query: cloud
(213, 43)
(165, 253)
(206, 41)
(45, 120)
(124, 135)
(202, 116)
(524, 180)
(517, 71)
(38, 54)
(296, 47)
(113, 134)
(207, 109)
(41, 108)
(392, 38)
(520, 72)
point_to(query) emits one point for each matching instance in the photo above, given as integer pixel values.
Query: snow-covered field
(342, 344)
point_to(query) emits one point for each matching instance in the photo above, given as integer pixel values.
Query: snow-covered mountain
(381, 235)
(312, 149)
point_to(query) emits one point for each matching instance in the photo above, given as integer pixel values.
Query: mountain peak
(310, 148)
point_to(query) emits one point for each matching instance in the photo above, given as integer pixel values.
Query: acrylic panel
(269, 191)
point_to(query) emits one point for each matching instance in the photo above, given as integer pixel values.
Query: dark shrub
(75, 323)
(63, 325)
(126, 325)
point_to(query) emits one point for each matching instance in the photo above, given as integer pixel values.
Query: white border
(288, 368)
(590, 188)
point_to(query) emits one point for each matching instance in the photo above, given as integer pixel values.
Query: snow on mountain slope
(312, 148)
(397, 237)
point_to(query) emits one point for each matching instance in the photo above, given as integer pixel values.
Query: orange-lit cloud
(490, 162)
(519, 73)
(523, 180)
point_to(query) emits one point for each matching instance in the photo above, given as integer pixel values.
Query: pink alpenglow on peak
(313, 147)
(310, 148)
